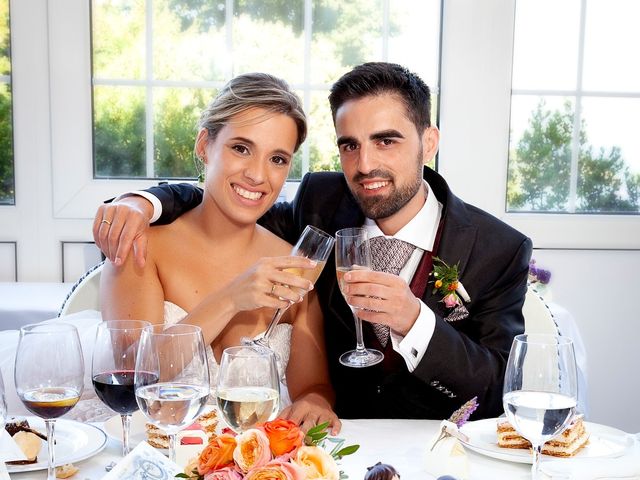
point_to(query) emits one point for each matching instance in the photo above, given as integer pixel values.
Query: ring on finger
(106, 221)
(273, 287)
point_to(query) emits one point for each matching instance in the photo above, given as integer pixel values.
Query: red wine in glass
(117, 390)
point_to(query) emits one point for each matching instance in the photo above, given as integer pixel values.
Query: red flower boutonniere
(447, 284)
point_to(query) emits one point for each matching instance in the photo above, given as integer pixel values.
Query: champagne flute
(315, 245)
(171, 377)
(113, 369)
(49, 373)
(353, 252)
(248, 390)
(540, 389)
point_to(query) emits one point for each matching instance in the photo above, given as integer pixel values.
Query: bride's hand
(311, 410)
(268, 284)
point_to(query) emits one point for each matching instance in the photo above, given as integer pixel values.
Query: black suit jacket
(465, 358)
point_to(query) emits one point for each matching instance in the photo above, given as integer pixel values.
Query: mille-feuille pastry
(566, 444)
(156, 437)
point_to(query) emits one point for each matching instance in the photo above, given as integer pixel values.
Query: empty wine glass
(540, 389)
(113, 369)
(49, 373)
(353, 253)
(313, 244)
(248, 390)
(171, 377)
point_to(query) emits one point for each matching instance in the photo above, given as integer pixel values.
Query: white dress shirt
(421, 232)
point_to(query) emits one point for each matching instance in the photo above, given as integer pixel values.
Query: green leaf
(182, 475)
(318, 428)
(348, 450)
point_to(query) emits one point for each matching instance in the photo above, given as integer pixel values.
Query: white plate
(603, 442)
(75, 441)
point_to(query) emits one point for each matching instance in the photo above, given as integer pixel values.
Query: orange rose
(218, 454)
(284, 436)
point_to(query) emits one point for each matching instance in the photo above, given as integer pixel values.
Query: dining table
(401, 443)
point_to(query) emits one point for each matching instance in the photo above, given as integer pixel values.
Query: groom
(440, 350)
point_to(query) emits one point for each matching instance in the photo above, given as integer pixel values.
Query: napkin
(445, 454)
(143, 462)
(626, 466)
(9, 449)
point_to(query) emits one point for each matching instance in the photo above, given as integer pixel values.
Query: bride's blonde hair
(250, 90)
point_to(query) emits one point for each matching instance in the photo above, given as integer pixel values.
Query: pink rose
(252, 450)
(451, 300)
(226, 473)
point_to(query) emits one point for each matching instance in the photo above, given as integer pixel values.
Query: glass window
(7, 180)
(157, 63)
(575, 98)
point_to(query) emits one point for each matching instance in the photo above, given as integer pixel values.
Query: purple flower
(460, 416)
(544, 276)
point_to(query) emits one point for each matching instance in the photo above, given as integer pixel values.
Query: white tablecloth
(400, 443)
(22, 303)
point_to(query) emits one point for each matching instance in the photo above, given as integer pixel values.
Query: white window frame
(475, 93)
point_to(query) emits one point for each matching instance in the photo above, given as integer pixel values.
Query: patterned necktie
(388, 255)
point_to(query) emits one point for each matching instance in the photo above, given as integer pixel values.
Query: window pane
(540, 153)
(322, 137)
(7, 182)
(609, 178)
(118, 131)
(610, 52)
(189, 41)
(177, 111)
(118, 39)
(546, 44)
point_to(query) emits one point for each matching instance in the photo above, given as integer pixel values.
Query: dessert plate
(75, 441)
(603, 442)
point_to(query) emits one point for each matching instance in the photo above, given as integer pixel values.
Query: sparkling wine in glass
(113, 369)
(49, 373)
(540, 389)
(352, 253)
(171, 377)
(313, 244)
(248, 390)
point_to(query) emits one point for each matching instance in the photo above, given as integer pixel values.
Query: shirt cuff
(157, 206)
(413, 346)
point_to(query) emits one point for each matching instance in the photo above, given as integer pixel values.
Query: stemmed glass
(313, 244)
(171, 377)
(540, 389)
(248, 387)
(113, 369)
(353, 252)
(49, 373)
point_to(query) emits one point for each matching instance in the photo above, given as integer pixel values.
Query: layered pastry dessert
(156, 437)
(566, 444)
(27, 439)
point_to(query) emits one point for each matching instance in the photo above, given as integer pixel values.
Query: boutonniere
(447, 284)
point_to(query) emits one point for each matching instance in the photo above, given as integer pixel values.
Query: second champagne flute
(171, 377)
(352, 253)
(49, 375)
(113, 368)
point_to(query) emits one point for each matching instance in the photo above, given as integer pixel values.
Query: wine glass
(540, 389)
(113, 369)
(313, 244)
(49, 373)
(248, 388)
(171, 377)
(353, 252)
(3, 405)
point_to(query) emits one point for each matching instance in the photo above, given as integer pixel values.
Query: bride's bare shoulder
(272, 244)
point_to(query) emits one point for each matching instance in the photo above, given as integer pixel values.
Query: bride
(215, 267)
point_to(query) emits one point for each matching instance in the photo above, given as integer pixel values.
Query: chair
(537, 316)
(85, 293)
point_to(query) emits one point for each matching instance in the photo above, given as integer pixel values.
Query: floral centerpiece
(273, 450)
(539, 279)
